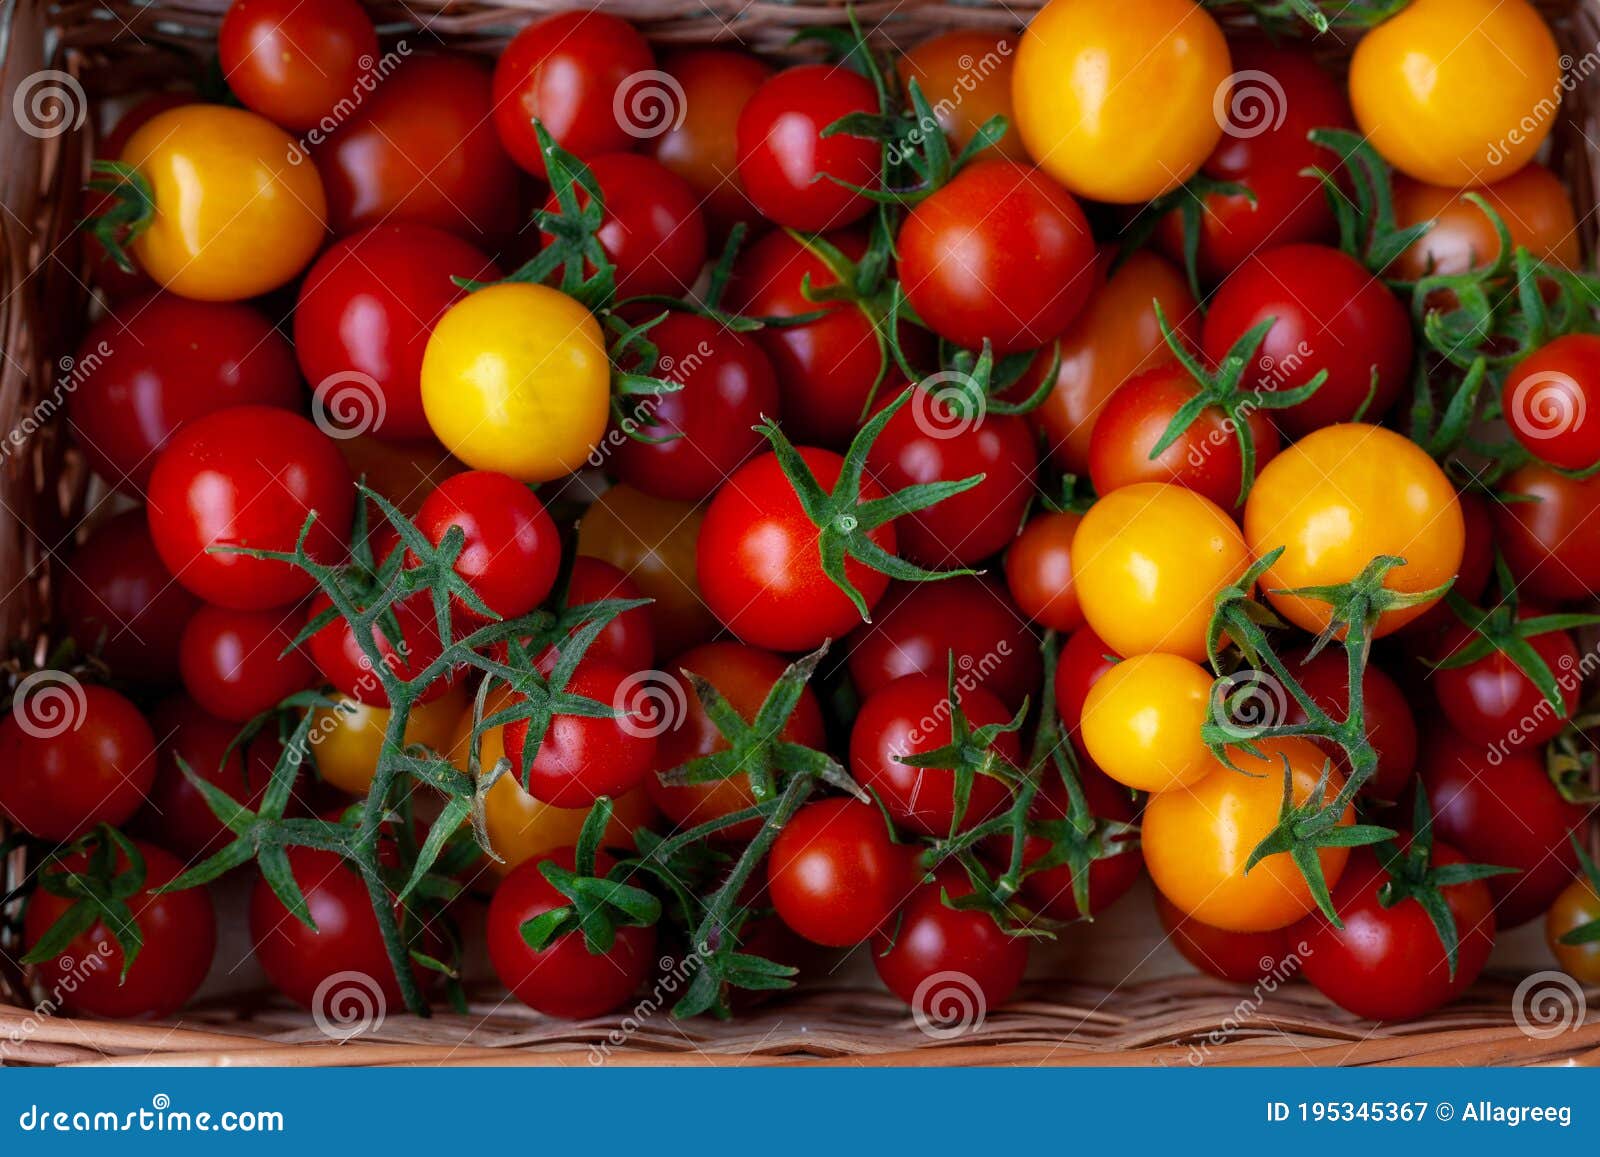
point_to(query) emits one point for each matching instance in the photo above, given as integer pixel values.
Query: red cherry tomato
(627, 641)
(237, 664)
(1491, 701)
(248, 477)
(157, 362)
(1391, 728)
(835, 874)
(1547, 401)
(345, 664)
(1548, 528)
(294, 62)
(511, 552)
(1084, 658)
(583, 758)
(1039, 571)
(1239, 957)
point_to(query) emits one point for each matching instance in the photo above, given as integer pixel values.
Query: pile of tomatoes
(711, 512)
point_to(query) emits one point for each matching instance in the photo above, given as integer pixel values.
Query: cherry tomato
(516, 378)
(912, 717)
(154, 363)
(1001, 253)
(1391, 728)
(178, 933)
(118, 600)
(1039, 571)
(1546, 527)
(248, 476)
(1086, 85)
(835, 875)
(1148, 562)
(1577, 906)
(683, 444)
(1491, 700)
(918, 627)
(366, 309)
(965, 76)
(511, 550)
(1532, 203)
(348, 737)
(292, 62)
(422, 149)
(1238, 957)
(74, 756)
(792, 172)
(1336, 500)
(1328, 313)
(579, 75)
(103, 271)
(343, 661)
(583, 758)
(1477, 564)
(1387, 962)
(1083, 662)
(1546, 402)
(237, 664)
(948, 964)
(627, 641)
(1142, 719)
(1454, 92)
(1197, 838)
(564, 978)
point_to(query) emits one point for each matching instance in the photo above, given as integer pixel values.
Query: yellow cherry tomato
(1148, 561)
(346, 739)
(515, 378)
(1117, 101)
(1197, 839)
(1457, 92)
(1341, 496)
(235, 208)
(1576, 906)
(1141, 722)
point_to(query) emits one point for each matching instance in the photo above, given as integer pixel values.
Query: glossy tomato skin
(511, 549)
(562, 979)
(1331, 314)
(156, 362)
(701, 433)
(1391, 727)
(237, 664)
(179, 934)
(1547, 401)
(965, 76)
(911, 717)
(1084, 660)
(1387, 963)
(1205, 458)
(105, 274)
(1001, 253)
(365, 311)
(293, 62)
(345, 663)
(73, 757)
(570, 71)
(1038, 569)
(1547, 529)
(118, 599)
(1472, 576)
(627, 641)
(789, 170)
(422, 149)
(949, 965)
(1491, 701)
(1532, 203)
(919, 626)
(1499, 807)
(835, 874)
(1142, 722)
(759, 566)
(1237, 957)
(584, 758)
(248, 477)
(1577, 906)
(349, 736)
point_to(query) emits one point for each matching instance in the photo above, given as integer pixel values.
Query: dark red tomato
(927, 442)
(1039, 571)
(344, 663)
(1084, 658)
(909, 718)
(179, 937)
(1491, 701)
(584, 758)
(1499, 807)
(294, 62)
(1001, 253)
(118, 600)
(1391, 729)
(1205, 458)
(1548, 528)
(1238, 957)
(366, 310)
(743, 676)
(422, 149)
(701, 145)
(1547, 401)
(1331, 314)
(702, 432)
(952, 967)
(73, 756)
(1387, 963)
(1279, 95)
(588, 78)
(176, 816)
(652, 230)
(835, 874)
(564, 978)
(627, 641)
(919, 626)
(792, 172)
(104, 273)
(237, 664)
(1477, 565)
(248, 477)
(159, 361)
(512, 551)
(759, 566)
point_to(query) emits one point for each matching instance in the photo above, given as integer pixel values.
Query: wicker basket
(116, 48)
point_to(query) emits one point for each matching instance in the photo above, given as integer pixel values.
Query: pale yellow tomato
(346, 739)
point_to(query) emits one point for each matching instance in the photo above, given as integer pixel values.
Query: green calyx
(599, 904)
(99, 894)
(132, 211)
